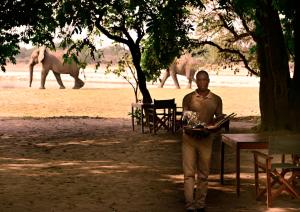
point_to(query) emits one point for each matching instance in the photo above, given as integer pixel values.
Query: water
(92, 79)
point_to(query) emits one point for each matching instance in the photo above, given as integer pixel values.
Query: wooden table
(238, 142)
(141, 106)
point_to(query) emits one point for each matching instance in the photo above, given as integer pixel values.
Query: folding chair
(162, 115)
(279, 175)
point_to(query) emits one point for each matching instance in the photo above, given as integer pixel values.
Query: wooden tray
(201, 132)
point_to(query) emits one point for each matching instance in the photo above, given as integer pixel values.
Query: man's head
(202, 80)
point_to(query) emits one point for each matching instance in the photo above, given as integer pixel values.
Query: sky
(101, 41)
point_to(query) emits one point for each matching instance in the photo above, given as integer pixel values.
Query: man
(196, 151)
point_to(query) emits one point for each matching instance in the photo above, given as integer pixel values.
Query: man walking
(196, 151)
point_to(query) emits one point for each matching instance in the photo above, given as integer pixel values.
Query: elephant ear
(41, 54)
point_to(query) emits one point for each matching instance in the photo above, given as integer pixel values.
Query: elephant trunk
(30, 74)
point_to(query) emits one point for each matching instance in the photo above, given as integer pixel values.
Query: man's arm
(218, 114)
(219, 110)
(185, 103)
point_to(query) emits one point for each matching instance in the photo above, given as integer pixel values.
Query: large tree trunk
(273, 63)
(136, 59)
(295, 90)
(296, 77)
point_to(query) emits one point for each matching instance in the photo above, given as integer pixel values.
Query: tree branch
(140, 33)
(226, 26)
(109, 35)
(231, 51)
(132, 73)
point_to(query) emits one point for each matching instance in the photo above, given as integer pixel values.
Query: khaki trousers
(196, 158)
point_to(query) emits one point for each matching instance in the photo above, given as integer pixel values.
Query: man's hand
(218, 118)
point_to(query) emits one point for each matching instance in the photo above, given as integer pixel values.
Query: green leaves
(167, 31)
(24, 21)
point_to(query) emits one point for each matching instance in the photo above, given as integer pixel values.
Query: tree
(272, 59)
(278, 103)
(132, 23)
(253, 32)
(229, 32)
(125, 70)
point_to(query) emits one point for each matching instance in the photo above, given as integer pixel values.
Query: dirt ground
(76, 151)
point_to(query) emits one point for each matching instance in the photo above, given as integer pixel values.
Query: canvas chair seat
(279, 175)
(285, 166)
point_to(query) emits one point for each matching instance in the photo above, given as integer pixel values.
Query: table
(141, 106)
(238, 142)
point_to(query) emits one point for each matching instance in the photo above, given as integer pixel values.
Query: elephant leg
(189, 86)
(58, 79)
(173, 75)
(190, 73)
(78, 83)
(44, 74)
(165, 77)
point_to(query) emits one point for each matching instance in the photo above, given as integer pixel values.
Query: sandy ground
(74, 150)
(112, 103)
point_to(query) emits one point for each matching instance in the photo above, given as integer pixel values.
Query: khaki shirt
(207, 107)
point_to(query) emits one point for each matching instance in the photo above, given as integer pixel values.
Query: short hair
(202, 72)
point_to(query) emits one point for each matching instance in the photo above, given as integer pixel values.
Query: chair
(162, 115)
(279, 175)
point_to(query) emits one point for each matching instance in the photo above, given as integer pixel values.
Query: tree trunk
(136, 59)
(295, 90)
(296, 77)
(273, 63)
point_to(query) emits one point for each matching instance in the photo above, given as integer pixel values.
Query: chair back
(164, 103)
(162, 115)
(279, 176)
(284, 144)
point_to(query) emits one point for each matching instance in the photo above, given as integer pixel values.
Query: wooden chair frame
(178, 118)
(277, 172)
(162, 115)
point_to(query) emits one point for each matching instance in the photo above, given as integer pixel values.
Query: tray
(199, 132)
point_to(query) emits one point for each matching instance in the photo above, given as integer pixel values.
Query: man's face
(202, 82)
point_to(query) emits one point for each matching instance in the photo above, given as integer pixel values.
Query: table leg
(238, 170)
(222, 163)
(142, 119)
(174, 121)
(132, 118)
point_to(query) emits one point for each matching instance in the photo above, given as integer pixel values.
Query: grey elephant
(186, 65)
(51, 62)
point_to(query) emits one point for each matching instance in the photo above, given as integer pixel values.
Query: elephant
(186, 66)
(51, 62)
